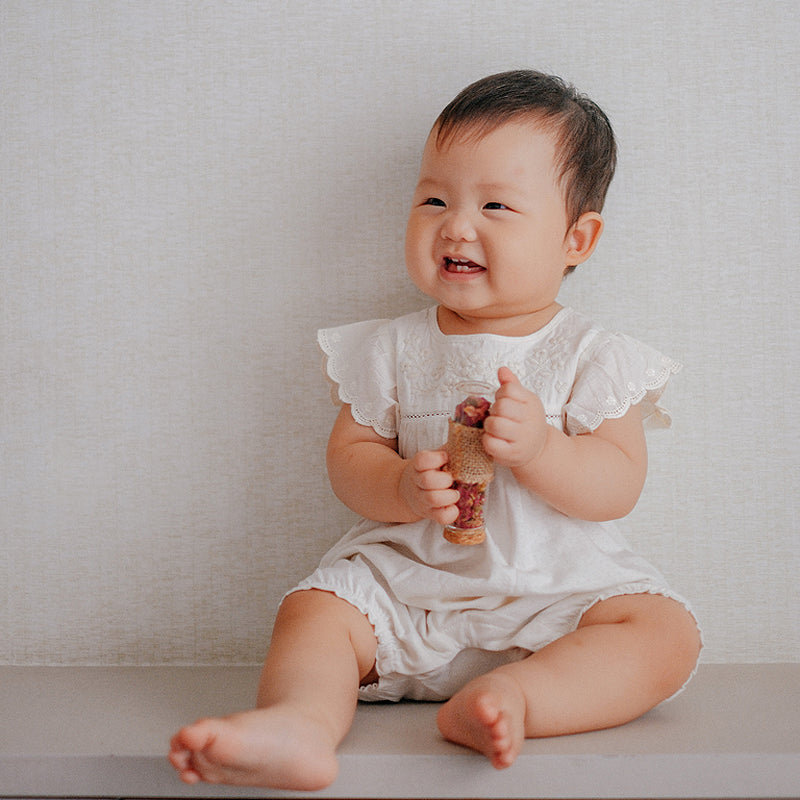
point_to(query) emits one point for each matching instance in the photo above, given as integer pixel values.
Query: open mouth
(461, 266)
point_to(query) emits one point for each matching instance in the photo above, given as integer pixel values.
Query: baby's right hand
(426, 488)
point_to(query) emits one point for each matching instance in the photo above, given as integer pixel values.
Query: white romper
(444, 613)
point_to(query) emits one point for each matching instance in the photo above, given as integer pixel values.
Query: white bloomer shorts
(430, 655)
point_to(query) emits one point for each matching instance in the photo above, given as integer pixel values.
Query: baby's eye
(496, 207)
(433, 201)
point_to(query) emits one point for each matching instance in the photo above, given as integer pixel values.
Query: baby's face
(486, 235)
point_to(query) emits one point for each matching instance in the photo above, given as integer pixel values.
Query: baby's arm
(368, 475)
(597, 476)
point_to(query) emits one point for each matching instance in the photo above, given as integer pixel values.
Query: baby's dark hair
(585, 146)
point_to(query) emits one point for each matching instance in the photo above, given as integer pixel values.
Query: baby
(552, 625)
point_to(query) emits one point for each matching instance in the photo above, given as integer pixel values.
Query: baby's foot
(487, 715)
(272, 747)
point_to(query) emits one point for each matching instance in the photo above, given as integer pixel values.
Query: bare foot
(273, 747)
(488, 715)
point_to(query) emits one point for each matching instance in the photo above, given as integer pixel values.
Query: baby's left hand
(516, 430)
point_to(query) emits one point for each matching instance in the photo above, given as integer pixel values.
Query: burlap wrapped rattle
(471, 468)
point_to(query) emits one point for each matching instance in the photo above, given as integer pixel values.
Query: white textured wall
(188, 190)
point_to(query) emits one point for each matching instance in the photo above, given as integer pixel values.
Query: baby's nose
(458, 227)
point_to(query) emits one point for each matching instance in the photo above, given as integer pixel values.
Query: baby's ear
(582, 238)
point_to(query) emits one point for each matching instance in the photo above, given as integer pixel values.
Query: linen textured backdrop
(189, 190)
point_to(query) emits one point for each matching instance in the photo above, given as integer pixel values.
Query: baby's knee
(685, 643)
(322, 616)
(665, 631)
(675, 640)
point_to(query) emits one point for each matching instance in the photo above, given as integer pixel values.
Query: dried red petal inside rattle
(472, 412)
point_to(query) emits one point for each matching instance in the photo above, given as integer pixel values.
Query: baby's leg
(628, 654)
(321, 648)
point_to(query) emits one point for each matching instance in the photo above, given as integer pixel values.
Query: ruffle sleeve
(614, 373)
(360, 363)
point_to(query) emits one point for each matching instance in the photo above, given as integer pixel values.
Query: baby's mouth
(461, 265)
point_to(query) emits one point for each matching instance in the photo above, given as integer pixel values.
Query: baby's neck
(452, 323)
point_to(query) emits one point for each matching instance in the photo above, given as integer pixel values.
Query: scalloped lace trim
(340, 394)
(653, 415)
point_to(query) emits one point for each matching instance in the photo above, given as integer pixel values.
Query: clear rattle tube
(471, 468)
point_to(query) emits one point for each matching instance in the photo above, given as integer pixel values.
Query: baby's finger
(508, 408)
(433, 479)
(502, 451)
(506, 376)
(513, 390)
(429, 460)
(444, 498)
(494, 446)
(445, 515)
(501, 427)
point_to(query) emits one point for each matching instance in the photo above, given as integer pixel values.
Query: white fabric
(581, 373)
(539, 569)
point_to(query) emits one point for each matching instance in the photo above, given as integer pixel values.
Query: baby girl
(552, 624)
